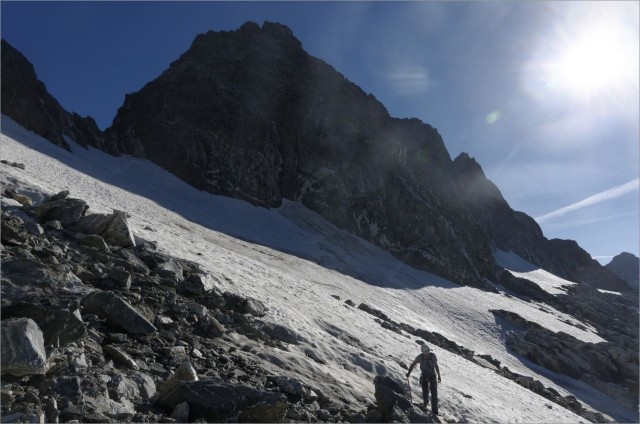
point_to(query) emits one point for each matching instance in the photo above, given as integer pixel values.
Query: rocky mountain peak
(250, 114)
(626, 266)
(465, 163)
(271, 38)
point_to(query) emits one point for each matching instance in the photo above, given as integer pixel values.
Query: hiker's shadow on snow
(292, 229)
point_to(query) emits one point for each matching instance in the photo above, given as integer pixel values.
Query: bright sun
(588, 59)
(596, 60)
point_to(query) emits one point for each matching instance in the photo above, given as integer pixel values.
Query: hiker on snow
(429, 367)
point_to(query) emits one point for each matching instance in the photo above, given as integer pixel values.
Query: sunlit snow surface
(294, 261)
(610, 292)
(523, 269)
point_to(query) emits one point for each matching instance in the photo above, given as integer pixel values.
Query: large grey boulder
(171, 269)
(59, 326)
(181, 413)
(92, 240)
(59, 207)
(23, 350)
(118, 312)
(185, 372)
(10, 231)
(134, 262)
(133, 386)
(393, 404)
(27, 271)
(216, 401)
(114, 228)
(99, 407)
(146, 385)
(244, 305)
(197, 284)
(289, 385)
(209, 327)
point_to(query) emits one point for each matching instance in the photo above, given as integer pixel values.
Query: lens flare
(493, 117)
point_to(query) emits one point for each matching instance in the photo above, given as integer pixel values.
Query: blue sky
(543, 94)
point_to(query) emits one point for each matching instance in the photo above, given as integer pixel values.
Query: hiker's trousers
(430, 382)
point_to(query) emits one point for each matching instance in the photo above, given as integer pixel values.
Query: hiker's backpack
(428, 364)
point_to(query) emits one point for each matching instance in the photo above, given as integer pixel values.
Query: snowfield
(298, 264)
(523, 269)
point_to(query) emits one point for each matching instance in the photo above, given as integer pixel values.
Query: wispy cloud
(603, 196)
(409, 80)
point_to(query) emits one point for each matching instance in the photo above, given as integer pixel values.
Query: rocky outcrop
(609, 367)
(26, 100)
(627, 267)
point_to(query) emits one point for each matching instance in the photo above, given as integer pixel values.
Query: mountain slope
(197, 226)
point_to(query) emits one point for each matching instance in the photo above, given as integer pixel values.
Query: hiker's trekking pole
(409, 386)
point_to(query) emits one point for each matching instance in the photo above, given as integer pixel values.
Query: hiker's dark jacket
(419, 359)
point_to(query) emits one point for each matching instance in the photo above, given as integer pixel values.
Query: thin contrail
(575, 223)
(609, 194)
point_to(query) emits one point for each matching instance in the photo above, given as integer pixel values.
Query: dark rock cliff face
(250, 114)
(515, 231)
(25, 100)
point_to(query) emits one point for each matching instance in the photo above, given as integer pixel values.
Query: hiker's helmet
(425, 348)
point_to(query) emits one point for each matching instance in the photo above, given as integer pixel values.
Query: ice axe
(409, 386)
